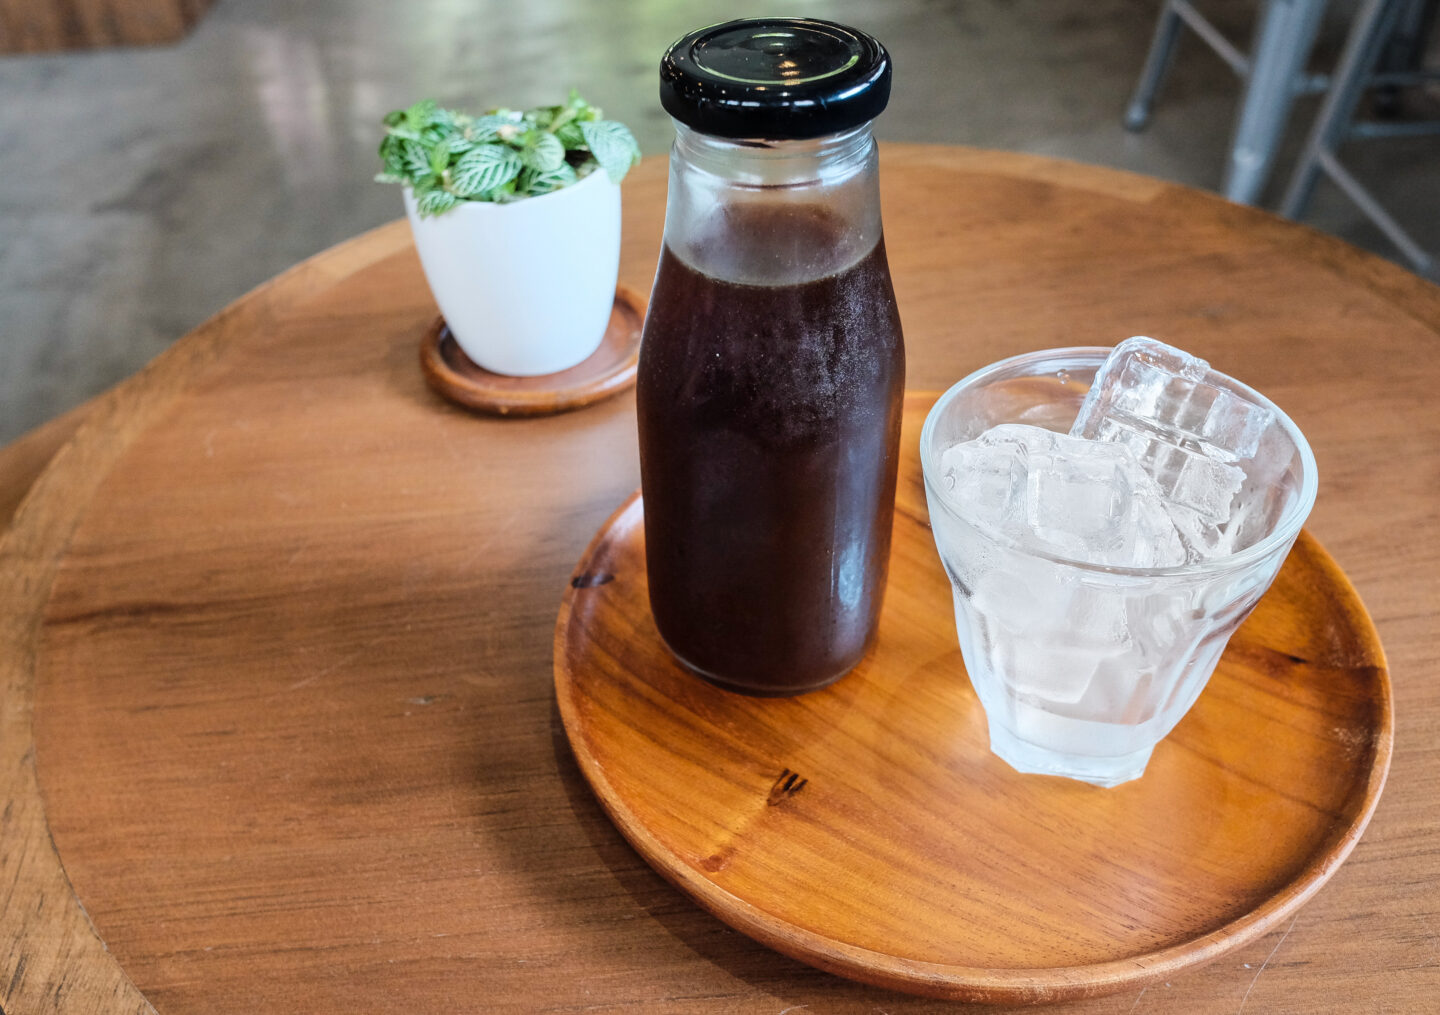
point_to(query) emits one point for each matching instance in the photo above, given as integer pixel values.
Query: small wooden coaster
(608, 371)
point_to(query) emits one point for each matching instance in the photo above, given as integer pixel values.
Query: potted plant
(516, 217)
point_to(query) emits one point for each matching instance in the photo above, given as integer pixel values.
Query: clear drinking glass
(1083, 668)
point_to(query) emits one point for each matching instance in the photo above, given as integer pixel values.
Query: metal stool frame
(1274, 74)
(1371, 32)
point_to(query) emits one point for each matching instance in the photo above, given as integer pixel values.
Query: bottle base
(754, 690)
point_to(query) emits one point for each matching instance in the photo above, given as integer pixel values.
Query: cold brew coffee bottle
(772, 368)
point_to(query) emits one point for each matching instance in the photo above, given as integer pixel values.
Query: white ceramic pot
(525, 287)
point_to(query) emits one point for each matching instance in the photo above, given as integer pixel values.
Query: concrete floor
(143, 189)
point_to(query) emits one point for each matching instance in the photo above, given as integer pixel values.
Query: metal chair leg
(1362, 51)
(1157, 62)
(1283, 41)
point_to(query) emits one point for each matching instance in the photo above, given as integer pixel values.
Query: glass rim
(1283, 534)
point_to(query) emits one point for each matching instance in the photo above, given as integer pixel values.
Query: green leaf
(440, 156)
(570, 135)
(483, 169)
(420, 115)
(613, 146)
(392, 155)
(503, 193)
(535, 182)
(485, 128)
(505, 155)
(582, 109)
(435, 202)
(543, 116)
(459, 144)
(414, 158)
(543, 152)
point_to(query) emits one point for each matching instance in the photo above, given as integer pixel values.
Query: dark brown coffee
(769, 428)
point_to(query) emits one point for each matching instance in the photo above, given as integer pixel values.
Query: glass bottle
(772, 367)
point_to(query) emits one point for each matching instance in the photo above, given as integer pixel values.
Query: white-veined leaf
(613, 146)
(486, 128)
(482, 169)
(535, 182)
(392, 156)
(414, 158)
(543, 152)
(435, 202)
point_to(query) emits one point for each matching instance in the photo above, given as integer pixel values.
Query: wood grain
(32, 26)
(22, 460)
(867, 829)
(606, 372)
(280, 624)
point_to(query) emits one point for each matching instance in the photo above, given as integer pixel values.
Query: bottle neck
(772, 212)
(827, 160)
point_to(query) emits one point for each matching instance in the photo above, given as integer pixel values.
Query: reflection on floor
(143, 189)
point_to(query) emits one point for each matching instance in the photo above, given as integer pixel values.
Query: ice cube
(1048, 630)
(1265, 494)
(1186, 429)
(1198, 491)
(986, 480)
(1081, 499)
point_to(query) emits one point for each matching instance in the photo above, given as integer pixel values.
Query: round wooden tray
(867, 829)
(609, 370)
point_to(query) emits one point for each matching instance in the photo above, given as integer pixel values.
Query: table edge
(54, 950)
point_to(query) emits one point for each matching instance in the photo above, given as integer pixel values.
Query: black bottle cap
(775, 78)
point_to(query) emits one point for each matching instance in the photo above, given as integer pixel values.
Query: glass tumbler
(1083, 668)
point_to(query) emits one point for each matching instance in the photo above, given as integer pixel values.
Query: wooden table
(275, 627)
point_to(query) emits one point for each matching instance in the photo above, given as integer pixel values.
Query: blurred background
(142, 188)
